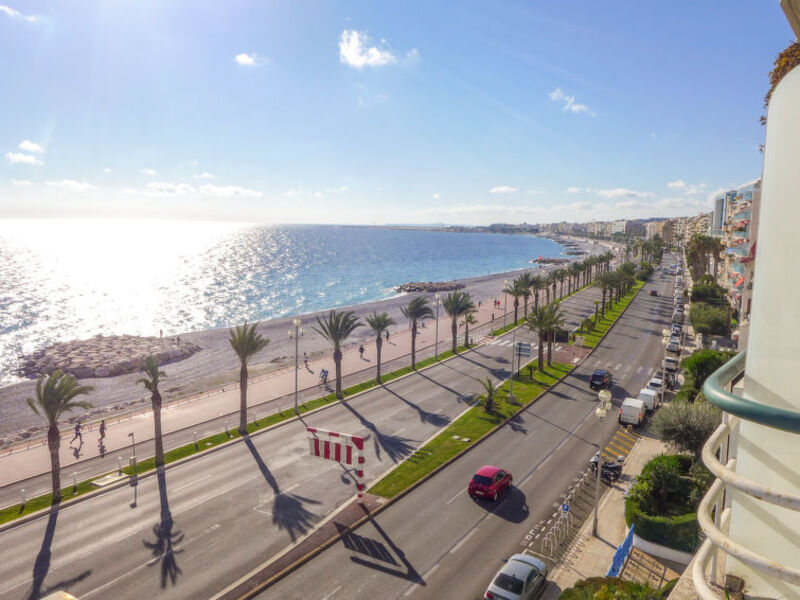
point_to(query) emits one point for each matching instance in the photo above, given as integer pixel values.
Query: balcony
(714, 512)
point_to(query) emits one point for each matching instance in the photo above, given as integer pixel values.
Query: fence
(621, 554)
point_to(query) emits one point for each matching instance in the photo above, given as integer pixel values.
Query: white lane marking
(618, 366)
(331, 594)
(150, 562)
(639, 370)
(463, 541)
(456, 496)
(191, 483)
(401, 430)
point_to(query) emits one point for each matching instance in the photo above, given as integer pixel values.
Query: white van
(631, 412)
(649, 397)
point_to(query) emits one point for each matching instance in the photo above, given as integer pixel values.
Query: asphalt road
(206, 523)
(437, 542)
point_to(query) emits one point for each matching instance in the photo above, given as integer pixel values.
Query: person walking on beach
(78, 435)
(102, 430)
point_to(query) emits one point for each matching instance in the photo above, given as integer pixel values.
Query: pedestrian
(78, 435)
(161, 334)
(361, 351)
(479, 303)
(305, 360)
(102, 429)
(492, 316)
(387, 335)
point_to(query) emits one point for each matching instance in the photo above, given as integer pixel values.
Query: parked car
(656, 384)
(601, 379)
(489, 482)
(670, 364)
(631, 412)
(653, 293)
(674, 347)
(522, 577)
(677, 317)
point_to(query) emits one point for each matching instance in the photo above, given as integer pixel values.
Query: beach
(216, 364)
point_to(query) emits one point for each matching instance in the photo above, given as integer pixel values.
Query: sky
(380, 112)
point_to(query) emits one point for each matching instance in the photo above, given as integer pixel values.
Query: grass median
(472, 425)
(521, 321)
(44, 501)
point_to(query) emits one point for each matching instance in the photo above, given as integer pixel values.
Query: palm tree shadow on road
(395, 446)
(288, 512)
(167, 538)
(377, 551)
(41, 565)
(435, 419)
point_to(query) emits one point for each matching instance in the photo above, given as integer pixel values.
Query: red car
(489, 482)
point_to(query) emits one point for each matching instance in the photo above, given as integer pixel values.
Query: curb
(335, 538)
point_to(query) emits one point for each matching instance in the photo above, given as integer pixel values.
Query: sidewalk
(590, 556)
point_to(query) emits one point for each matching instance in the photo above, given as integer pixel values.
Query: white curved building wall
(772, 373)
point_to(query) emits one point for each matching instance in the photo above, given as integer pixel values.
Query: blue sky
(361, 112)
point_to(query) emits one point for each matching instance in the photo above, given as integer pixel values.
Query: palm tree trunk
(550, 335)
(337, 361)
(454, 330)
(54, 445)
(466, 333)
(414, 345)
(379, 345)
(525, 308)
(516, 309)
(604, 303)
(242, 401)
(536, 300)
(159, 438)
(547, 291)
(541, 352)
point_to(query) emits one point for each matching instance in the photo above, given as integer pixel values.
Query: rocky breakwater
(103, 356)
(430, 286)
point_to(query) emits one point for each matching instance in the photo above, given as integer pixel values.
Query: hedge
(612, 588)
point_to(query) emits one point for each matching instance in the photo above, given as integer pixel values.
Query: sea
(72, 279)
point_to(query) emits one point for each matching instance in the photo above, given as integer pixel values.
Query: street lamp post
(505, 302)
(295, 334)
(601, 411)
(436, 301)
(133, 450)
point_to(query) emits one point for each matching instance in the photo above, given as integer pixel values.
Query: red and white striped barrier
(340, 447)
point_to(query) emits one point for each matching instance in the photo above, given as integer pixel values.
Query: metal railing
(714, 512)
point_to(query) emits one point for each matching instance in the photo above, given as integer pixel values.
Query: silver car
(522, 577)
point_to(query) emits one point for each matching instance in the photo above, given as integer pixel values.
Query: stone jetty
(105, 356)
(430, 286)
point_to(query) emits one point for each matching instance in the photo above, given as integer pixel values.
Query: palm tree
(488, 397)
(515, 288)
(469, 319)
(553, 279)
(336, 328)
(456, 304)
(555, 320)
(150, 381)
(527, 281)
(55, 395)
(416, 312)
(573, 272)
(605, 282)
(245, 342)
(561, 275)
(538, 323)
(537, 284)
(379, 323)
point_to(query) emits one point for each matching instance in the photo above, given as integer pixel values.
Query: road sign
(522, 349)
(565, 507)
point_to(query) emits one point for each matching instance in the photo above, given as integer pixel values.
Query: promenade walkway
(209, 414)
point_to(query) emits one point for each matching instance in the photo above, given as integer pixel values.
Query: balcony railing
(714, 510)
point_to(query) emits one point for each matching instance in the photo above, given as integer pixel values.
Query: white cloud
(336, 190)
(436, 196)
(355, 50)
(165, 188)
(412, 57)
(18, 158)
(502, 189)
(252, 59)
(30, 146)
(20, 182)
(71, 185)
(149, 172)
(623, 193)
(15, 14)
(573, 190)
(204, 175)
(687, 188)
(557, 95)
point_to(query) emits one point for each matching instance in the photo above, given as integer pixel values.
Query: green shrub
(610, 588)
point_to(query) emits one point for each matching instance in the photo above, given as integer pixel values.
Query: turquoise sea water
(63, 280)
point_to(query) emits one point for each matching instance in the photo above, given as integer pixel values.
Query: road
(204, 524)
(437, 542)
